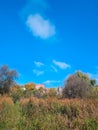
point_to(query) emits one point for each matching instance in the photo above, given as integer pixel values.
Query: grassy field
(48, 114)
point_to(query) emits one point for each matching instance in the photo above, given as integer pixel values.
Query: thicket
(48, 114)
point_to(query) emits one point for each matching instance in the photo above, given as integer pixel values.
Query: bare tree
(7, 79)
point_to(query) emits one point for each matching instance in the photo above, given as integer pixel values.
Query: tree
(16, 92)
(95, 92)
(7, 79)
(86, 78)
(52, 92)
(30, 86)
(75, 87)
(92, 82)
(82, 76)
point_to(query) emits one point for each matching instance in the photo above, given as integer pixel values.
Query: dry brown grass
(6, 99)
(54, 114)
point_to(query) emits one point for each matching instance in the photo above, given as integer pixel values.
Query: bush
(75, 87)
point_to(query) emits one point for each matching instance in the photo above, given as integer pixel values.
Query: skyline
(45, 40)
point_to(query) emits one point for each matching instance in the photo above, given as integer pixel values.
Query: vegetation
(79, 85)
(6, 79)
(48, 114)
(75, 88)
(52, 92)
(27, 108)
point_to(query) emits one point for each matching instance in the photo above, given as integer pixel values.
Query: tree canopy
(7, 79)
(78, 85)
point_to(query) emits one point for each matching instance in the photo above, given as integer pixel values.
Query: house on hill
(38, 86)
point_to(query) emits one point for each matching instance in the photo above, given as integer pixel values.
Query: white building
(59, 90)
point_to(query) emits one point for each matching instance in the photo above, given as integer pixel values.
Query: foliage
(95, 92)
(16, 92)
(85, 77)
(75, 88)
(30, 86)
(7, 77)
(52, 92)
(31, 90)
(53, 114)
(48, 114)
(9, 114)
(79, 85)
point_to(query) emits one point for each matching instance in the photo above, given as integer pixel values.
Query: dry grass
(49, 114)
(6, 99)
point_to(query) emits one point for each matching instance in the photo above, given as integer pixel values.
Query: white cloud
(38, 72)
(40, 27)
(54, 68)
(38, 64)
(51, 81)
(61, 65)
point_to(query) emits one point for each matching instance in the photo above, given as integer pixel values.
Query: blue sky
(46, 40)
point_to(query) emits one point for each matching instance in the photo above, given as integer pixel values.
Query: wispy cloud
(38, 72)
(40, 27)
(48, 82)
(38, 64)
(54, 68)
(61, 65)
